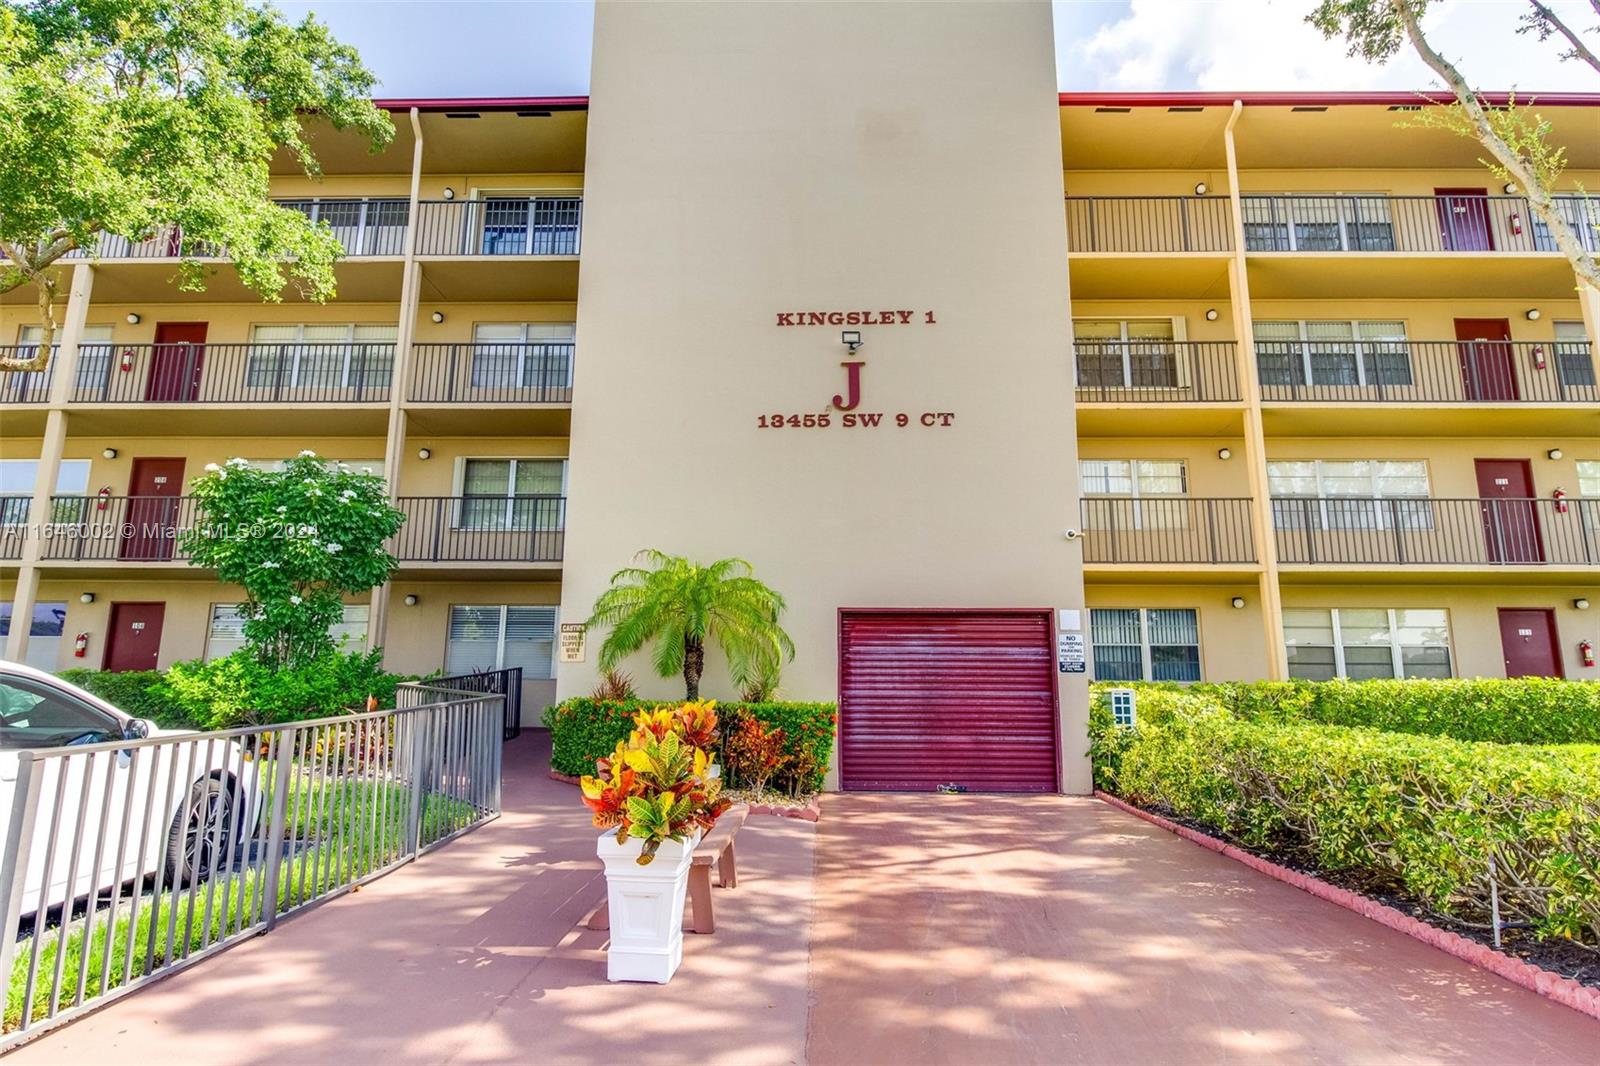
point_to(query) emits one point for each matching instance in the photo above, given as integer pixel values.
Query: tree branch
(1539, 200)
(1580, 50)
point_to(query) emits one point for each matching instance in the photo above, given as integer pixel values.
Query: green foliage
(678, 606)
(751, 751)
(1423, 815)
(584, 730)
(297, 540)
(241, 690)
(126, 117)
(1532, 710)
(141, 693)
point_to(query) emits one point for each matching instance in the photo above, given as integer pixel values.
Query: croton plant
(661, 783)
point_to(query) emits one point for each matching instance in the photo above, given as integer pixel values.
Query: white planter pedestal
(646, 907)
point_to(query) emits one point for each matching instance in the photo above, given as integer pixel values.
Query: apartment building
(1285, 386)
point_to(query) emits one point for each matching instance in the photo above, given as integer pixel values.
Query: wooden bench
(716, 847)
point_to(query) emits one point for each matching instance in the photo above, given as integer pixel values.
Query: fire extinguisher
(1561, 501)
(104, 498)
(126, 362)
(1586, 652)
(1514, 220)
(80, 645)
(1538, 357)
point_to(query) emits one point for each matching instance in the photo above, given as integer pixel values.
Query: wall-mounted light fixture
(424, 453)
(1581, 603)
(109, 453)
(87, 597)
(1211, 314)
(1199, 188)
(411, 600)
(133, 318)
(1532, 313)
(437, 316)
(1553, 453)
(850, 338)
(1510, 187)
(1238, 602)
(1224, 453)
(449, 193)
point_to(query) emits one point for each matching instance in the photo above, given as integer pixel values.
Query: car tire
(190, 852)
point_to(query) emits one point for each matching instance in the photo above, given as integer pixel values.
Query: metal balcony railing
(26, 386)
(260, 373)
(484, 372)
(500, 225)
(1445, 223)
(1141, 371)
(133, 529)
(1423, 532)
(475, 529)
(374, 226)
(1170, 529)
(1486, 372)
(1149, 224)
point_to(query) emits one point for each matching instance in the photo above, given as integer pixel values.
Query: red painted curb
(1553, 986)
(809, 813)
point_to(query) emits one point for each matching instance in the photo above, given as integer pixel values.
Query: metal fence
(1449, 222)
(491, 372)
(135, 529)
(234, 373)
(1385, 371)
(1143, 371)
(506, 683)
(1421, 531)
(127, 859)
(500, 225)
(1183, 529)
(26, 386)
(1149, 224)
(483, 529)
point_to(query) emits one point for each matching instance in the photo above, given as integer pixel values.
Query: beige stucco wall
(834, 157)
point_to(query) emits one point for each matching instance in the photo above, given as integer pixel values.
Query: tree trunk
(694, 662)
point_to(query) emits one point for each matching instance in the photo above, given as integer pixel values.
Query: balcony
(25, 386)
(287, 373)
(1157, 371)
(1437, 532)
(1168, 530)
(500, 226)
(1148, 224)
(481, 529)
(491, 373)
(1419, 372)
(1447, 224)
(122, 529)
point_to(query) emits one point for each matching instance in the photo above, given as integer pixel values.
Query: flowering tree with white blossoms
(297, 540)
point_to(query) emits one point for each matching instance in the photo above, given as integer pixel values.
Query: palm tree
(680, 605)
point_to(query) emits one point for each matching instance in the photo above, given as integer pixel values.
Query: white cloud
(1219, 45)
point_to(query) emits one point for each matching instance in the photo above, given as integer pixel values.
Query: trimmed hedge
(141, 693)
(1534, 710)
(1420, 814)
(583, 730)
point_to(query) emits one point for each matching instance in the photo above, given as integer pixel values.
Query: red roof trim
(490, 103)
(1322, 99)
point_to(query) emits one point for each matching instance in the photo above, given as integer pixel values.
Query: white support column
(1255, 448)
(65, 362)
(395, 438)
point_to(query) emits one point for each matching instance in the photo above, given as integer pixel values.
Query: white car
(175, 810)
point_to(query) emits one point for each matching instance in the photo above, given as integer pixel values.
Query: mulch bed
(1557, 956)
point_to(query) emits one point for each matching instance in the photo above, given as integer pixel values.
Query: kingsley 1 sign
(842, 408)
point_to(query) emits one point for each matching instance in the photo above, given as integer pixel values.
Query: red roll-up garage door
(947, 697)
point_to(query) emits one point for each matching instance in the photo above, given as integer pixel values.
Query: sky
(541, 47)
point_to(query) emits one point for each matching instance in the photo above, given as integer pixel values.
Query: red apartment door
(133, 640)
(175, 361)
(1529, 640)
(1464, 219)
(1510, 515)
(1488, 373)
(149, 524)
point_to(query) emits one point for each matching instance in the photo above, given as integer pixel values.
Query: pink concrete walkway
(934, 929)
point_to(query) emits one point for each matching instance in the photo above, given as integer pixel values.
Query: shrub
(1515, 711)
(583, 730)
(1420, 814)
(751, 751)
(614, 685)
(141, 693)
(241, 690)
